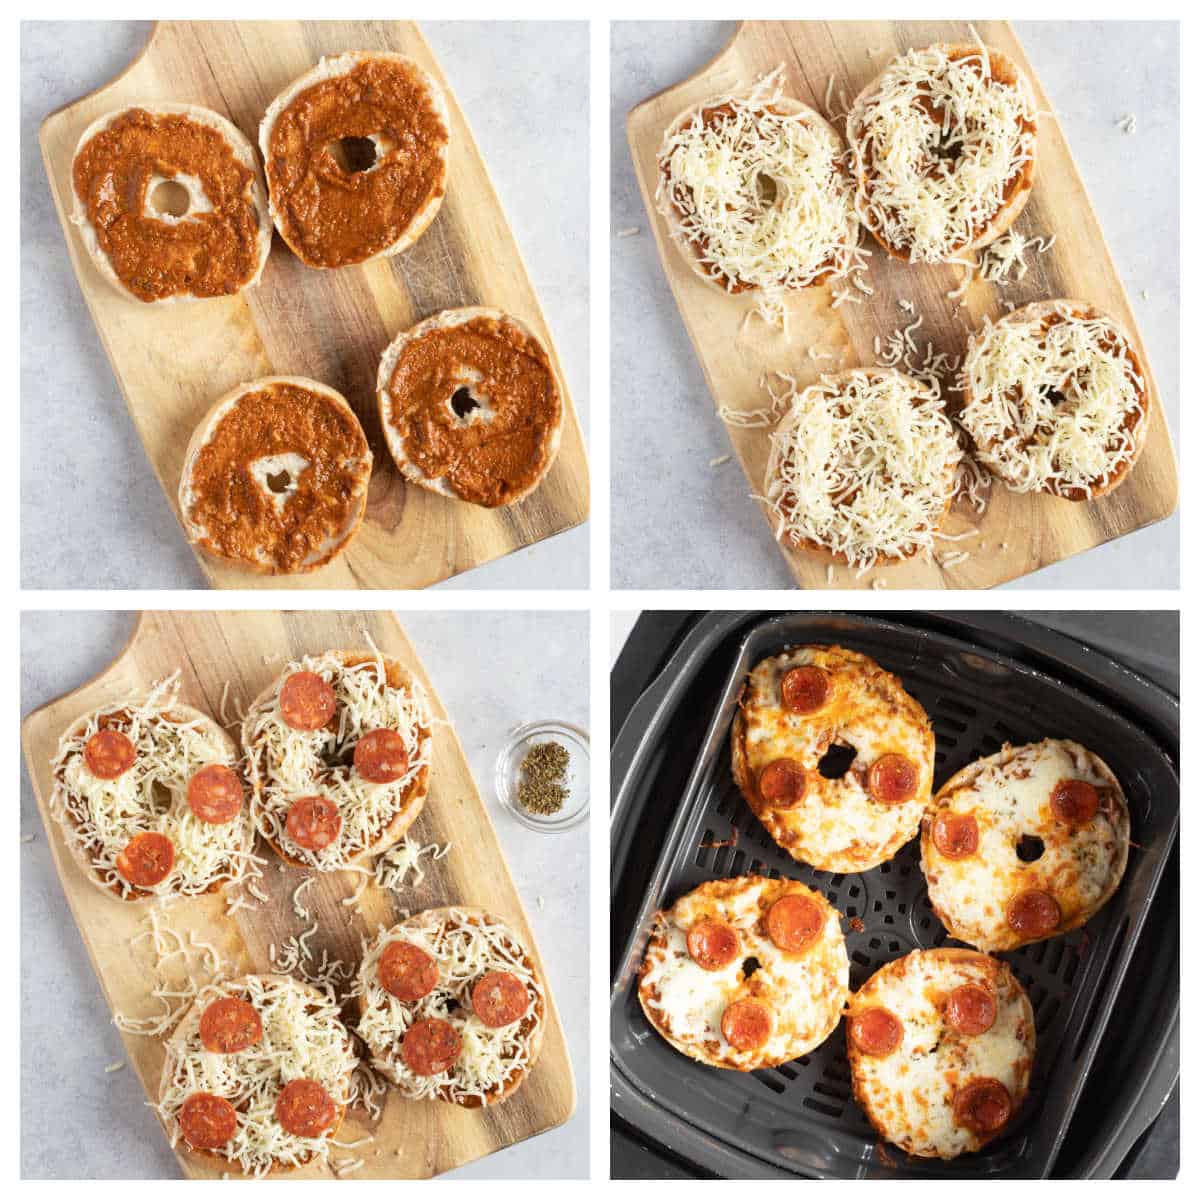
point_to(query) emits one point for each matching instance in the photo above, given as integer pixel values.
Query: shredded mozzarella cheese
(863, 465)
(935, 144)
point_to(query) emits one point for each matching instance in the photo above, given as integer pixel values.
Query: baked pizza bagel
(471, 406)
(944, 147)
(833, 756)
(1025, 844)
(275, 476)
(150, 796)
(257, 1074)
(1055, 399)
(862, 467)
(941, 1046)
(746, 973)
(169, 203)
(356, 152)
(338, 751)
(452, 1007)
(755, 192)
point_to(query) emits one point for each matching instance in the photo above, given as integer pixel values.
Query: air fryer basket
(801, 1118)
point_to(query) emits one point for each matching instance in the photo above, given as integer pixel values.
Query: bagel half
(128, 279)
(500, 450)
(390, 101)
(922, 159)
(275, 476)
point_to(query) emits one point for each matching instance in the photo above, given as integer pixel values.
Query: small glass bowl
(508, 774)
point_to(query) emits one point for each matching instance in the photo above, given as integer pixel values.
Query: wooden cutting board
(172, 362)
(1017, 533)
(249, 649)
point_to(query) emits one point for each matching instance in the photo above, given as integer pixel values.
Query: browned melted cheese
(208, 253)
(239, 516)
(486, 462)
(330, 216)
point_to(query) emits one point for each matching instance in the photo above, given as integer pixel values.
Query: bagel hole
(463, 403)
(279, 482)
(767, 189)
(750, 965)
(835, 762)
(1030, 847)
(171, 199)
(353, 154)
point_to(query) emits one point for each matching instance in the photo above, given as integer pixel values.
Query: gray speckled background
(93, 514)
(67, 1042)
(664, 430)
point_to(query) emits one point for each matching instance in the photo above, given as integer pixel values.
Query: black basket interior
(802, 1116)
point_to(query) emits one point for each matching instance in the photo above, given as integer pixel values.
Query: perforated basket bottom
(802, 1115)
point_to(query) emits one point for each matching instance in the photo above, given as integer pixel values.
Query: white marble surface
(66, 1038)
(93, 514)
(664, 432)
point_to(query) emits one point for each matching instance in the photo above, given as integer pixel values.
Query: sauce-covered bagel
(470, 405)
(941, 1046)
(833, 756)
(745, 973)
(214, 243)
(356, 153)
(275, 476)
(1025, 844)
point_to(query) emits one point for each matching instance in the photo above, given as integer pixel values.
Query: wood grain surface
(1017, 533)
(172, 362)
(249, 649)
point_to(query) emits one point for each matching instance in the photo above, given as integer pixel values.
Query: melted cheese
(100, 816)
(1053, 409)
(838, 826)
(931, 205)
(466, 946)
(804, 991)
(286, 763)
(909, 1094)
(303, 1038)
(1008, 794)
(776, 237)
(863, 464)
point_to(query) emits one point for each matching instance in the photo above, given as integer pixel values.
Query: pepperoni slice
(782, 783)
(956, 835)
(1074, 801)
(877, 1032)
(430, 1047)
(971, 1009)
(794, 922)
(805, 689)
(306, 701)
(147, 859)
(712, 944)
(215, 794)
(230, 1024)
(407, 971)
(892, 779)
(108, 754)
(746, 1024)
(207, 1121)
(1033, 914)
(305, 1108)
(499, 999)
(983, 1105)
(314, 822)
(380, 756)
